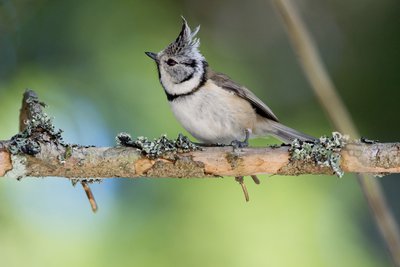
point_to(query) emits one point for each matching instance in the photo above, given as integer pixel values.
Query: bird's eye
(171, 62)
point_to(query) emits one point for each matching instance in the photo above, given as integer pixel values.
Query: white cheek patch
(180, 88)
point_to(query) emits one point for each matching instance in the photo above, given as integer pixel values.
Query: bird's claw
(241, 144)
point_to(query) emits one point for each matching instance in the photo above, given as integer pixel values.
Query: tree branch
(129, 162)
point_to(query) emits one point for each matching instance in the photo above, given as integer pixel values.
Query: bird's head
(180, 64)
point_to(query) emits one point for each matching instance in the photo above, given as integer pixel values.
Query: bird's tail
(287, 134)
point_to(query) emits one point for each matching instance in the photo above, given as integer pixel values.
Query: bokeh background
(85, 60)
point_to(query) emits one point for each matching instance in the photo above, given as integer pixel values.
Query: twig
(89, 195)
(331, 102)
(30, 106)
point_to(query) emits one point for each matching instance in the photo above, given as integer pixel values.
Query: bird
(212, 107)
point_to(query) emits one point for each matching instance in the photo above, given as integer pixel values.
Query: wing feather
(226, 83)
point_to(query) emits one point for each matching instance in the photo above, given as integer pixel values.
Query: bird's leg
(89, 195)
(240, 180)
(240, 144)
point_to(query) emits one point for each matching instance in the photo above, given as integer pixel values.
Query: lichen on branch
(159, 146)
(324, 151)
(36, 127)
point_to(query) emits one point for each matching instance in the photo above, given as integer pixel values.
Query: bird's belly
(213, 118)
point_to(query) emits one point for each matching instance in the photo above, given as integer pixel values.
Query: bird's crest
(185, 43)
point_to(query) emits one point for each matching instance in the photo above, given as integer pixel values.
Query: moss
(233, 159)
(181, 168)
(324, 152)
(158, 147)
(297, 167)
(67, 153)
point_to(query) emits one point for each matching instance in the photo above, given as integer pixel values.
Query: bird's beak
(152, 55)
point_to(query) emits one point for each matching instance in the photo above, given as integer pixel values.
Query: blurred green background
(85, 60)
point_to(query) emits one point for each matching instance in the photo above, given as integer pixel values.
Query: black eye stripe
(192, 63)
(171, 62)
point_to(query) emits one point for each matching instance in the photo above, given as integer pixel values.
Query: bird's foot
(240, 144)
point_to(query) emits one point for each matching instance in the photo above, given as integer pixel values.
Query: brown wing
(226, 83)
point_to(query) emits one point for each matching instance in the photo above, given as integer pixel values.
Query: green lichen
(159, 146)
(39, 128)
(324, 151)
(67, 154)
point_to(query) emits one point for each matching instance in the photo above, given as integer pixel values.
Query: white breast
(214, 115)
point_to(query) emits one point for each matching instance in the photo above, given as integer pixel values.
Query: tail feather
(287, 134)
